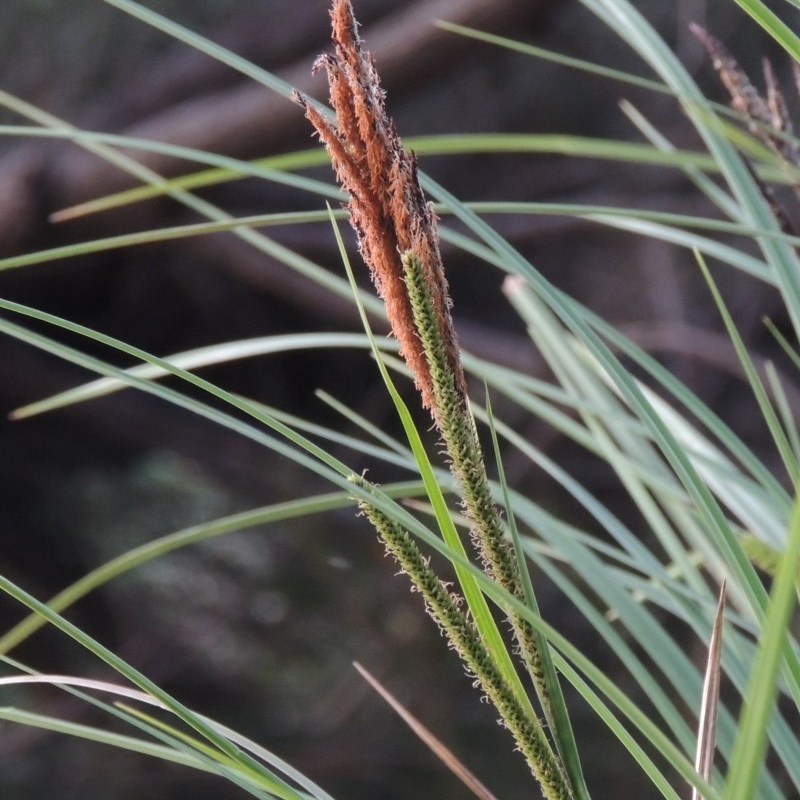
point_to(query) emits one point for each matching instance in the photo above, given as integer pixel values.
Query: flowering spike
(387, 207)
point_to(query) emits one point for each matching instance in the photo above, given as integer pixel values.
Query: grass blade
(473, 595)
(747, 760)
(556, 708)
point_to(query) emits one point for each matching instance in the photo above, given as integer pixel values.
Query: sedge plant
(714, 512)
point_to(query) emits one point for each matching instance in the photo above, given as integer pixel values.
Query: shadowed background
(259, 629)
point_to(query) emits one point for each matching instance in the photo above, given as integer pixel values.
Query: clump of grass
(708, 506)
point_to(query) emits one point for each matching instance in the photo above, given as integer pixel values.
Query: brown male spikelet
(387, 207)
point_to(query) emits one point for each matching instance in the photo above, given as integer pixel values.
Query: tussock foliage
(709, 511)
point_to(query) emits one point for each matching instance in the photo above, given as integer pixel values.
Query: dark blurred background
(259, 629)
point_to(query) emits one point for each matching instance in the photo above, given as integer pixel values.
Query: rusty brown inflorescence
(387, 207)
